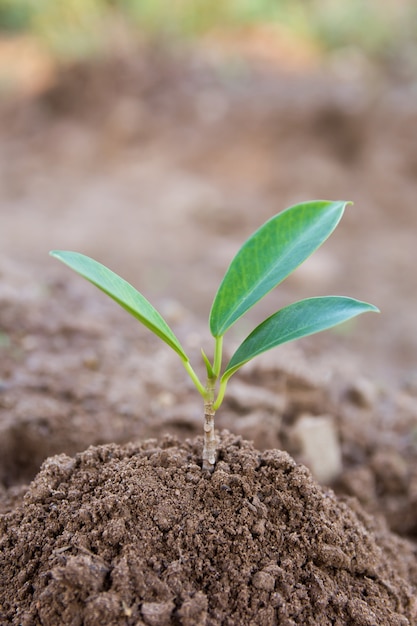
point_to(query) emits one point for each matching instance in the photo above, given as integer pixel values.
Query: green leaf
(269, 256)
(123, 293)
(209, 367)
(300, 319)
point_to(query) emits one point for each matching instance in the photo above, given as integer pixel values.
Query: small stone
(320, 447)
(157, 613)
(363, 393)
(263, 580)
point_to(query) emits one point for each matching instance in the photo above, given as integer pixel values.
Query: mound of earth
(138, 534)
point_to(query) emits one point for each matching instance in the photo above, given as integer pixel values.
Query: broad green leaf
(297, 320)
(269, 256)
(123, 293)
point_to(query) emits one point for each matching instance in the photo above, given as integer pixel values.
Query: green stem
(200, 387)
(218, 350)
(220, 395)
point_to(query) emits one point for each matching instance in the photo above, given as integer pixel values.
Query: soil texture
(140, 535)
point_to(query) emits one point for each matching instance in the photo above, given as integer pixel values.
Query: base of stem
(210, 444)
(208, 466)
(210, 441)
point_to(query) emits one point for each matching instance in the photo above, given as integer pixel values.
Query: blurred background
(156, 136)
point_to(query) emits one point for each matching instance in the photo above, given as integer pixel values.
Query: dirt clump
(138, 534)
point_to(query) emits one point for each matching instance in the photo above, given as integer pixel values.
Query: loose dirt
(139, 535)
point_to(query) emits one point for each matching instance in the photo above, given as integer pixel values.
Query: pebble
(363, 393)
(157, 613)
(263, 580)
(320, 447)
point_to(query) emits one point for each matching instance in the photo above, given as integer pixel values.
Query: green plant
(265, 260)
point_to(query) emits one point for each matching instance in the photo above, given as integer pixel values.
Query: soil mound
(137, 534)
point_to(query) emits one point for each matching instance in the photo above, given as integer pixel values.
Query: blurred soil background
(156, 138)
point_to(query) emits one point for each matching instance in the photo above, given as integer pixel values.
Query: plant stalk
(218, 349)
(220, 395)
(200, 387)
(210, 442)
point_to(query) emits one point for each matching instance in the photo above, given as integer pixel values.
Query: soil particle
(137, 534)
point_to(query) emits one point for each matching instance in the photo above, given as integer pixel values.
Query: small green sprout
(269, 255)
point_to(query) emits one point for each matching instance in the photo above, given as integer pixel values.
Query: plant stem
(209, 449)
(200, 387)
(217, 362)
(220, 395)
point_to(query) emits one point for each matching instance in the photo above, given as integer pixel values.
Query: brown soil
(160, 167)
(140, 535)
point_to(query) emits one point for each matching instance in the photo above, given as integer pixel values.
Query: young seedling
(269, 255)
